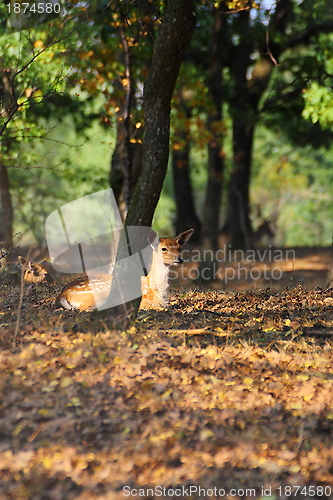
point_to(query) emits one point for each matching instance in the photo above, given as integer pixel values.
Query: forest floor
(227, 394)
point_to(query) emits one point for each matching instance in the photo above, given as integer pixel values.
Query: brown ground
(227, 389)
(273, 267)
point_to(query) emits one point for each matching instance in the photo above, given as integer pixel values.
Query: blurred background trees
(251, 119)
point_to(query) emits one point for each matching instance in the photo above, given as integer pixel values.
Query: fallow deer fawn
(33, 273)
(87, 294)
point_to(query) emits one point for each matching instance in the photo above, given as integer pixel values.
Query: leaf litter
(231, 390)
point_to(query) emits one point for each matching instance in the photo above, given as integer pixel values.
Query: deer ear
(183, 238)
(23, 263)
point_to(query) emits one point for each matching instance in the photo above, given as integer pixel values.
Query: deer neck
(155, 284)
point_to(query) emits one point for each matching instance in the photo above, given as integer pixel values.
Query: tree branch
(304, 36)
(28, 63)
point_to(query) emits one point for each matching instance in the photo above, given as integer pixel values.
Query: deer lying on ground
(89, 293)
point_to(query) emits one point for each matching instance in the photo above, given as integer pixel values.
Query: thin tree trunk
(7, 107)
(210, 222)
(186, 217)
(127, 157)
(239, 223)
(126, 160)
(122, 155)
(6, 210)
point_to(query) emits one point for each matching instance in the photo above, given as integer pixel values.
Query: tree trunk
(239, 224)
(211, 211)
(186, 217)
(210, 223)
(122, 183)
(127, 157)
(126, 161)
(173, 39)
(7, 107)
(6, 210)
(244, 109)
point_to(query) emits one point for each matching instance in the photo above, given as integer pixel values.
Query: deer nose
(180, 260)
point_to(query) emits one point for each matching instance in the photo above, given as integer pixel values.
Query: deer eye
(164, 249)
